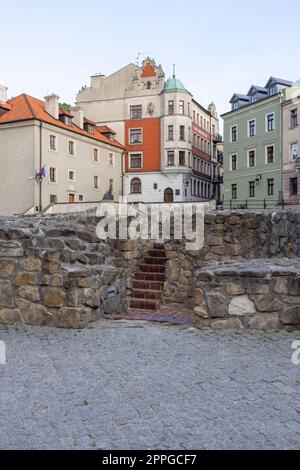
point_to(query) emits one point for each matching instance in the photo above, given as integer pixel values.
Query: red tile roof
(105, 130)
(4, 105)
(25, 108)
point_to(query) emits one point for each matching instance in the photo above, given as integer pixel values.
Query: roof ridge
(29, 105)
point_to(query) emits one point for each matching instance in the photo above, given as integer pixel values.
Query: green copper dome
(174, 84)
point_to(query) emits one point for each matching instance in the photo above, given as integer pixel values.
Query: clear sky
(219, 47)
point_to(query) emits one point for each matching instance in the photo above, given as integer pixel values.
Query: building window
(294, 118)
(53, 198)
(96, 182)
(251, 158)
(253, 98)
(71, 148)
(135, 136)
(235, 105)
(89, 127)
(270, 154)
(271, 187)
(111, 159)
(170, 132)
(136, 186)
(171, 158)
(294, 151)
(181, 107)
(149, 85)
(111, 185)
(53, 175)
(53, 142)
(194, 116)
(136, 112)
(293, 186)
(136, 161)
(182, 133)
(80, 197)
(252, 189)
(96, 155)
(233, 162)
(171, 108)
(273, 90)
(234, 191)
(252, 128)
(71, 175)
(270, 122)
(182, 158)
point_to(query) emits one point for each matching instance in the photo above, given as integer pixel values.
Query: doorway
(169, 196)
(71, 198)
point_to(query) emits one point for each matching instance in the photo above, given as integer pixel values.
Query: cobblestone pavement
(121, 385)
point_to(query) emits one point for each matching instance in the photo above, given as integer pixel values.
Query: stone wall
(230, 236)
(54, 271)
(257, 294)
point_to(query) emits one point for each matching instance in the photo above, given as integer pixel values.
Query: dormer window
(273, 90)
(236, 105)
(68, 121)
(253, 98)
(65, 117)
(89, 128)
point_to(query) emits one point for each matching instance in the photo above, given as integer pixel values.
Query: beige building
(49, 155)
(170, 138)
(291, 144)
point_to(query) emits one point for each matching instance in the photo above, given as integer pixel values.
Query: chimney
(78, 118)
(52, 106)
(3, 93)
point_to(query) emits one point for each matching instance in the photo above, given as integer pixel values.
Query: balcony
(218, 179)
(217, 139)
(202, 175)
(199, 153)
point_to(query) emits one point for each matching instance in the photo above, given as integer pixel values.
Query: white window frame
(74, 143)
(98, 153)
(96, 189)
(113, 160)
(135, 129)
(290, 156)
(266, 153)
(248, 132)
(56, 174)
(237, 134)
(70, 180)
(129, 160)
(266, 122)
(52, 134)
(83, 197)
(248, 157)
(230, 161)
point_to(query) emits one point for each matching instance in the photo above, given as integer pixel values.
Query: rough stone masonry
(55, 271)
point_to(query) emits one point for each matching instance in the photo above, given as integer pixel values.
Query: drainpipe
(40, 164)
(123, 172)
(281, 145)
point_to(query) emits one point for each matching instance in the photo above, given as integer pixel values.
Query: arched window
(136, 186)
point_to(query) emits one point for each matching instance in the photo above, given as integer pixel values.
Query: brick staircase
(148, 282)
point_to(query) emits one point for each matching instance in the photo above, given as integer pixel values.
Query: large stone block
(265, 321)
(230, 324)
(26, 278)
(6, 294)
(290, 316)
(53, 297)
(198, 296)
(72, 317)
(10, 249)
(241, 306)
(36, 314)
(235, 289)
(31, 264)
(217, 304)
(7, 267)
(30, 293)
(201, 312)
(10, 315)
(268, 303)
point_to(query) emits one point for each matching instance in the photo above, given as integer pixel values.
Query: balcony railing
(218, 179)
(217, 139)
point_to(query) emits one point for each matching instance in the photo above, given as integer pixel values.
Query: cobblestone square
(130, 385)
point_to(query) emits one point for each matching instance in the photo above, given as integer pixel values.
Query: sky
(219, 47)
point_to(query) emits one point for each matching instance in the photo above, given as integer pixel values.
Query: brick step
(148, 285)
(139, 304)
(142, 276)
(159, 247)
(157, 254)
(155, 260)
(146, 294)
(157, 269)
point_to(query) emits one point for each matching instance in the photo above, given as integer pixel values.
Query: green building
(253, 147)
